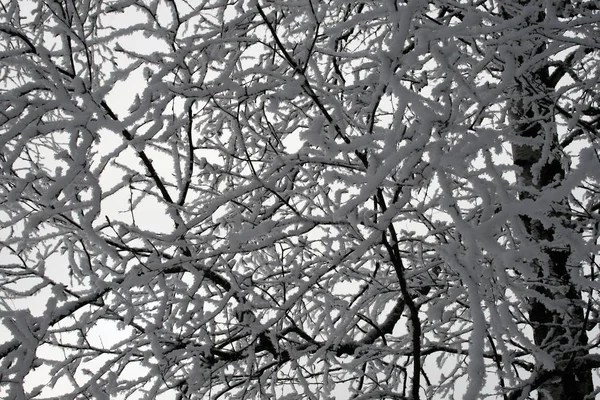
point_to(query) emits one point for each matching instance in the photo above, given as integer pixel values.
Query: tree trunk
(556, 313)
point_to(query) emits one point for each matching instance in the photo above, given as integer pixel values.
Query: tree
(309, 199)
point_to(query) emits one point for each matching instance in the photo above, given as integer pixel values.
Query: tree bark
(557, 329)
(556, 312)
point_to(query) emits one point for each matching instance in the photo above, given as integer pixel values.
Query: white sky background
(149, 214)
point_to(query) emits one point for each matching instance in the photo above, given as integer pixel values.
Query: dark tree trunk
(556, 312)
